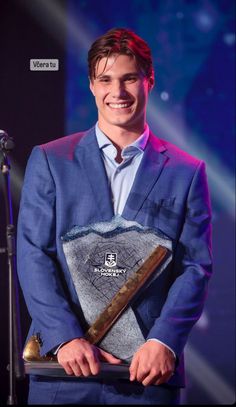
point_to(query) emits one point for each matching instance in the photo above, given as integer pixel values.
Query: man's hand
(153, 363)
(80, 358)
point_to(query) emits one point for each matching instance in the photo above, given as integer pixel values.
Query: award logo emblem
(110, 259)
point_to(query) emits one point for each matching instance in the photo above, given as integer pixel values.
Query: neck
(121, 136)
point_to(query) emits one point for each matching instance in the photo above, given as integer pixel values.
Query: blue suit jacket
(66, 185)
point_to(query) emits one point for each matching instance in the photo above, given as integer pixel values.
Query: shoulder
(65, 146)
(174, 153)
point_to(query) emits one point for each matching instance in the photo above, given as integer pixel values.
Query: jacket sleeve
(192, 267)
(37, 263)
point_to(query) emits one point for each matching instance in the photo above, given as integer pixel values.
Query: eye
(104, 80)
(131, 79)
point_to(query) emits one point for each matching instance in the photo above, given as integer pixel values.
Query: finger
(142, 374)
(108, 357)
(85, 368)
(73, 365)
(94, 364)
(150, 379)
(67, 369)
(133, 369)
(164, 378)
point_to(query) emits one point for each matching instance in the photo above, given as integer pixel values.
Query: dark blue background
(192, 105)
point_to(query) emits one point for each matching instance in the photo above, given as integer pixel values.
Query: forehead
(116, 65)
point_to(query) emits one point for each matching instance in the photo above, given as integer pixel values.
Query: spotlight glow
(169, 127)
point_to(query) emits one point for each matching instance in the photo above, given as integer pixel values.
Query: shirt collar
(139, 144)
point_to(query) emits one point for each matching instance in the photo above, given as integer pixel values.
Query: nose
(118, 89)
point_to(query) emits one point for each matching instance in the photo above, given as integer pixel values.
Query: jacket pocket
(165, 214)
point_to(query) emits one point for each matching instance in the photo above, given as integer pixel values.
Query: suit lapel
(147, 175)
(89, 156)
(151, 166)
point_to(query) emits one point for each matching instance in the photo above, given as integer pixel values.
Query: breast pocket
(166, 214)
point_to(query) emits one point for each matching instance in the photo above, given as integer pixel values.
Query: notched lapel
(89, 156)
(149, 171)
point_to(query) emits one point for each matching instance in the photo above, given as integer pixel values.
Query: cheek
(140, 93)
(99, 95)
(143, 96)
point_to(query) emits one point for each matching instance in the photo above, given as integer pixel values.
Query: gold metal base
(31, 351)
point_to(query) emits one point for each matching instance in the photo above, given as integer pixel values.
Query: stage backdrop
(192, 106)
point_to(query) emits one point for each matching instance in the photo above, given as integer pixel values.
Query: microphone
(6, 143)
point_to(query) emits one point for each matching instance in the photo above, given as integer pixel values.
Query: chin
(122, 121)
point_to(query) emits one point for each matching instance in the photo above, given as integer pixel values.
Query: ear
(151, 83)
(91, 86)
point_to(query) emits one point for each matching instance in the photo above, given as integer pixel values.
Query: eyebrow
(135, 74)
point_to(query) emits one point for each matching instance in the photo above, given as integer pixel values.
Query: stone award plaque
(101, 258)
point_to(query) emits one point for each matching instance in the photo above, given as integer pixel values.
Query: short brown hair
(121, 41)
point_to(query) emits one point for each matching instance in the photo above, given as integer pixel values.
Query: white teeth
(119, 105)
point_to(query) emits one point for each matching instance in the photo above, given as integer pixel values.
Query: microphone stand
(16, 366)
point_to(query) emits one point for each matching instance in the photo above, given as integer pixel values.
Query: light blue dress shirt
(121, 175)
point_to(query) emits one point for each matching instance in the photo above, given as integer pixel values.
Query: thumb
(108, 357)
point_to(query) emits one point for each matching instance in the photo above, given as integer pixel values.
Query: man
(117, 167)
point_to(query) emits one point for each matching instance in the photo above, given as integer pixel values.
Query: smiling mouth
(120, 105)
